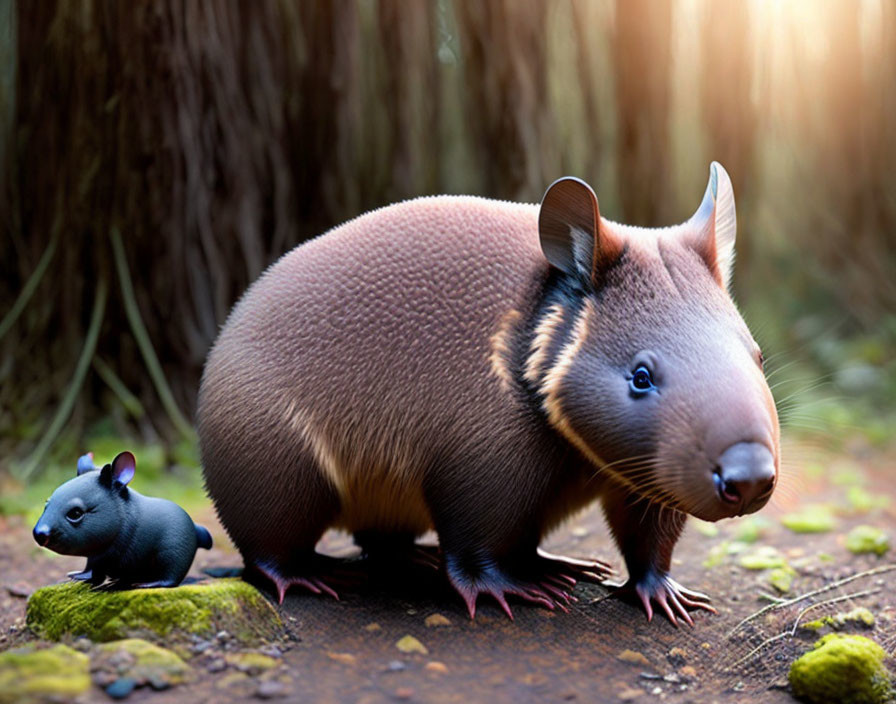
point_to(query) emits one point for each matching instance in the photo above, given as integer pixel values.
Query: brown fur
(408, 371)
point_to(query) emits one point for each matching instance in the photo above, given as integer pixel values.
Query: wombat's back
(371, 348)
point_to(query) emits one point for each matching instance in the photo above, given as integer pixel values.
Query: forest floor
(356, 650)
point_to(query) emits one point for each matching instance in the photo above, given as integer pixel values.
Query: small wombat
(131, 539)
(487, 369)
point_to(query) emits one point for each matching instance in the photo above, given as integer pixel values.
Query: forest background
(155, 157)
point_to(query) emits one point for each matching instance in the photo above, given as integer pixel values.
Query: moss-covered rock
(859, 617)
(840, 668)
(204, 609)
(867, 539)
(34, 675)
(144, 662)
(812, 519)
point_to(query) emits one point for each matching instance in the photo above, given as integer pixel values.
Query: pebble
(121, 688)
(201, 646)
(223, 636)
(216, 665)
(270, 689)
(436, 620)
(436, 666)
(159, 683)
(633, 657)
(409, 644)
(396, 666)
(272, 651)
(404, 693)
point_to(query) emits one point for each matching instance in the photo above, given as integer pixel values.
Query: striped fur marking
(500, 348)
(545, 333)
(553, 380)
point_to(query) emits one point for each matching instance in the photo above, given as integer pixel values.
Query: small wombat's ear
(85, 464)
(570, 231)
(123, 468)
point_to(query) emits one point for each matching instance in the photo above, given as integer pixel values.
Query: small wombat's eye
(641, 380)
(74, 513)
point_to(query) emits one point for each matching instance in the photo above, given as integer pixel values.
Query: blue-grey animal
(130, 539)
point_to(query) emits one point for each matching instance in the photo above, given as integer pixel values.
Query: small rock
(272, 651)
(650, 676)
(436, 666)
(409, 644)
(270, 689)
(396, 666)
(689, 671)
(20, 591)
(121, 688)
(82, 644)
(158, 683)
(633, 657)
(201, 646)
(672, 678)
(404, 693)
(656, 690)
(677, 657)
(216, 665)
(344, 658)
(222, 636)
(630, 694)
(436, 620)
(373, 627)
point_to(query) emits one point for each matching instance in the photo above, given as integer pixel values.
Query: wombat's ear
(123, 468)
(714, 225)
(85, 464)
(569, 228)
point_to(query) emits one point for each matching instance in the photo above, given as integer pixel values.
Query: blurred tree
(504, 51)
(729, 114)
(642, 55)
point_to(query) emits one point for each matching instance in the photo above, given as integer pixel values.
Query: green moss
(812, 519)
(845, 669)
(865, 539)
(32, 675)
(764, 557)
(862, 501)
(859, 616)
(204, 609)
(781, 578)
(253, 663)
(150, 661)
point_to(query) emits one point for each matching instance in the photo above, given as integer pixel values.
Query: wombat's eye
(74, 513)
(641, 380)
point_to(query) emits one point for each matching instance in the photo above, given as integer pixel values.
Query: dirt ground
(602, 650)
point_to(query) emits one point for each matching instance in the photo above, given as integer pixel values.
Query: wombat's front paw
(669, 594)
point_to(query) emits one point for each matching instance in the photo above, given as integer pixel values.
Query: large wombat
(486, 369)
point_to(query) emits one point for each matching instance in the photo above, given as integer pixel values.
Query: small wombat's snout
(41, 534)
(745, 476)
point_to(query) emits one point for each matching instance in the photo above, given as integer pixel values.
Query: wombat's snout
(745, 476)
(41, 534)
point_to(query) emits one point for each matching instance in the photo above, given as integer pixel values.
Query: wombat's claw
(315, 585)
(670, 595)
(573, 570)
(550, 592)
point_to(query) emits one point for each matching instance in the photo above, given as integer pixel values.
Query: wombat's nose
(745, 476)
(42, 534)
